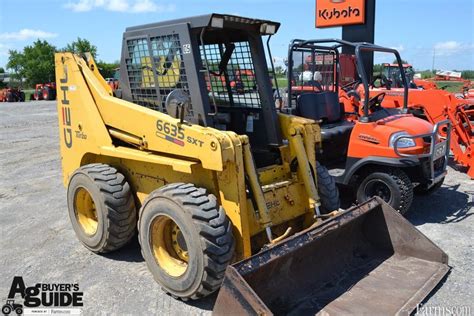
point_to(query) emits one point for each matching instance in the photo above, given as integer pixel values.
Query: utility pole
(433, 64)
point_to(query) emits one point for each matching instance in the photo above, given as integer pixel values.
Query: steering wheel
(376, 101)
(350, 86)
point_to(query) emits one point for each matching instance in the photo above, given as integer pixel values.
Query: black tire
(22, 97)
(423, 190)
(327, 190)
(19, 310)
(10, 97)
(6, 309)
(207, 233)
(113, 207)
(393, 185)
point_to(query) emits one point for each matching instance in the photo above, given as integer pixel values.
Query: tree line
(35, 63)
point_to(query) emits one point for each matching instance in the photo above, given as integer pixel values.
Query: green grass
(453, 87)
(28, 94)
(282, 82)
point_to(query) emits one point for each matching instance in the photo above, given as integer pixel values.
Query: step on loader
(211, 176)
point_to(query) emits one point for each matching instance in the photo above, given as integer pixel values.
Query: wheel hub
(378, 188)
(86, 213)
(169, 246)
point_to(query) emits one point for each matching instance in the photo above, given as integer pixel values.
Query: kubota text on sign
(339, 12)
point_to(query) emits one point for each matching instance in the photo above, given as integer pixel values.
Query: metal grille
(236, 84)
(153, 77)
(314, 70)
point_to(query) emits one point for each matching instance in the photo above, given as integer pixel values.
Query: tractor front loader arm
(93, 112)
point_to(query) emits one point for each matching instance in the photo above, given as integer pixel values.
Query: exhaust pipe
(366, 260)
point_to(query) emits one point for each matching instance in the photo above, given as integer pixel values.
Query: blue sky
(415, 27)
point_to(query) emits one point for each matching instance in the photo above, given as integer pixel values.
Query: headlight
(402, 142)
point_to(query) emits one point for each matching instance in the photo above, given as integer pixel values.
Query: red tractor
(45, 91)
(12, 95)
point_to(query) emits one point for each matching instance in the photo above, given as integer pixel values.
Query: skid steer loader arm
(367, 260)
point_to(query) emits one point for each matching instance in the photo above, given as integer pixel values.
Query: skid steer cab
(378, 151)
(206, 170)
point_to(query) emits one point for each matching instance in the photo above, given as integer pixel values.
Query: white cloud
(26, 34)
(451, 48)
(134, 6)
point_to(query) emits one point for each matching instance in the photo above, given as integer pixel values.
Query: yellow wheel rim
(86, 213)
(169, 246)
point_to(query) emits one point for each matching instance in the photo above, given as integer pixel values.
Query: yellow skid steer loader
(222, 189)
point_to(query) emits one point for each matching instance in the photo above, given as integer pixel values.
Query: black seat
(335, 131)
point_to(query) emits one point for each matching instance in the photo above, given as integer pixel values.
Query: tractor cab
(391, 77)
(359, 135)
(218, 62)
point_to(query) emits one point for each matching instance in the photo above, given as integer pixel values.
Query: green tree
(395, 61)
(81, 46)
(35, 64)
(377, 68)
(467, 74)
(2, 70)
(107, 70)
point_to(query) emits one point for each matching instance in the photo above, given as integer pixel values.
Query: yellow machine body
(153, 149)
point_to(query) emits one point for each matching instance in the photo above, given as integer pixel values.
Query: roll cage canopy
(332, 46)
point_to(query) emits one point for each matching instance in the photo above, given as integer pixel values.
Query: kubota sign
(339, 12)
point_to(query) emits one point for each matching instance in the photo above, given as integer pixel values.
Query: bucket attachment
(367, 260)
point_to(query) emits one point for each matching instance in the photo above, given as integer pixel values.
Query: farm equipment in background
(113, 83)
(380, 152)
(222, 177)
(12, 95)
(45, 91)
(392, 73)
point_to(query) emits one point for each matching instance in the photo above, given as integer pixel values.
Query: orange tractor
(45, 91)
(382, 152)
(391, 72)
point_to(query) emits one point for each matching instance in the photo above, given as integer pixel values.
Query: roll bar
(359, 47)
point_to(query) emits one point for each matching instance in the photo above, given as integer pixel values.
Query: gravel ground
(38, 243)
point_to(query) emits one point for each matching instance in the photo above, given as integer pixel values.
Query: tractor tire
(10, 97)
(186, 240)
(327, 190)
(392, 185)
(101, 207)
(19, 310)
(22, 97)
(422, 190)
(6, 309)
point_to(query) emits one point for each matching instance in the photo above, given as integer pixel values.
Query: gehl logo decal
(66, 110)
(335, 13)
